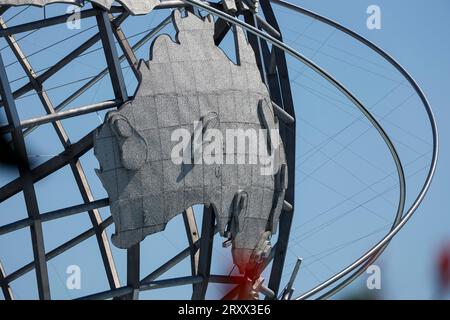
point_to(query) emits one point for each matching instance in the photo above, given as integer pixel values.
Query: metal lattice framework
(266, 40)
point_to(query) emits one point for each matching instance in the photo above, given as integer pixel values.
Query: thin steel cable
(337, 100)
(353, 122)
(81, 55)
(327, 252)
(381, 75)
(392, 187)
(350, 172)
(315, 52)
(17, 14)
(310, 153)
(318, 257)
(20, 38)
(397, 224)
(57, 87)
(336, 48)
(74, 81)
(190, 1)
(51, 45)
(322, 226)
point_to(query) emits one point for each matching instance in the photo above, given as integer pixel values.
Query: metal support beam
(272, 75)
(263, 24)
(287, 206)
(206, 245)
(221, 29)
(272, 67)
(3, 9)
(111, 55)
(61, 213)
(133, 271)
(75, 112)
(6, 289)
(57, 251)
(38, 24)
(226, 279)
(150, 285)
(283, 115)
(57, 66)
(171, 283)
(267, 292)
(279, 87)
(26, 181)
(133, 254)
(173, 261)
(243, 286)
(105, 71)
(56, 116)
(109, 294)
(288, 135)
(75, 150)
(234, 292)
(289, 290)
(64, 61)
(170, 264)
(96, 220)
(53, 215)
(192, 235)
(245, 289)
(118, 89)
(255, 42)
(75, 164)
(127, 49)
(84, 144)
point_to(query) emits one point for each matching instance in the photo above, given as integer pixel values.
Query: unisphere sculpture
(191, 86)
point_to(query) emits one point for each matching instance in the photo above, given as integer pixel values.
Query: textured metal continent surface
(186, 82)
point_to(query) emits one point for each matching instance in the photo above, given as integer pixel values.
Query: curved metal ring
(373, 252)
(343, 90)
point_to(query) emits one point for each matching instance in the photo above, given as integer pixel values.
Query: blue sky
(346, 188)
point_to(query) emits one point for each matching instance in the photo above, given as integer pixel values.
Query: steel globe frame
(274, 70)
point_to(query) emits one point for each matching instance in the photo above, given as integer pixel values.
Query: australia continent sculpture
(190, 83)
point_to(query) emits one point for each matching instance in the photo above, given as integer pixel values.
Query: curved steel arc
(385, 241)
(344, 91)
